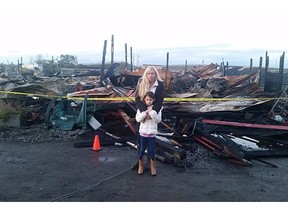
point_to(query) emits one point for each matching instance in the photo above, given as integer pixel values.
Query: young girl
(148, 120)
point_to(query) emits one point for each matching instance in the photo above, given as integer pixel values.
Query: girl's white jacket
(148, 126)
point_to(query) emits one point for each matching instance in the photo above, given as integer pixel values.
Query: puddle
(104, 159)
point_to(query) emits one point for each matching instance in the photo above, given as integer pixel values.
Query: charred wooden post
(2, 68)
(53, 66)
(266, 72)
(112, 49)
(126, 61)
(260, 70)
(281, 70)
(223, 67)
(131, 59)
(103, 62)
(167, 61)
(21, 64)
(18, 66)
(227, 68)
(251, 65)
(260, 63)
(273, 81)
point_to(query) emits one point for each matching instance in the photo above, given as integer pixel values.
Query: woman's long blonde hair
(143, 82)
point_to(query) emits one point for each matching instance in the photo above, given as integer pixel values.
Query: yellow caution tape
(132, 98)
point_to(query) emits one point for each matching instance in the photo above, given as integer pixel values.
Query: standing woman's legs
(141, 152)
(135, 165)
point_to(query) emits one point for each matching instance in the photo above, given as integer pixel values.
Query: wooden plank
(170, 148)
(240, 124)
(130, 121)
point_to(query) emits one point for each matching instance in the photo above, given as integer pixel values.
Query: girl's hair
(149, 94)
(143, 83)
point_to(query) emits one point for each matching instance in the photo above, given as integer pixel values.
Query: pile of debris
(231, 116)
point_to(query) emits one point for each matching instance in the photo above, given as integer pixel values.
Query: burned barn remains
(238, 114)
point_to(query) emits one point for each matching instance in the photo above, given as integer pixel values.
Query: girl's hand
(148, 116)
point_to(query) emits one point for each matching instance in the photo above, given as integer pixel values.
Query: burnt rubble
(231, 116)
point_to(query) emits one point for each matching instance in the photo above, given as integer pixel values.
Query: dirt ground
(54, 170)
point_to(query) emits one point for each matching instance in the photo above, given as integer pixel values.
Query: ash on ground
(38, 133)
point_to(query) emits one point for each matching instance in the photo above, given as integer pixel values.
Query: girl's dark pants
(149, 144)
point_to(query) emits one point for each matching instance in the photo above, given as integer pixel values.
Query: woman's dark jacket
(158, 103)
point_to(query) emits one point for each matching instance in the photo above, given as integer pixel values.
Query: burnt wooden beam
(171, 149)
(240, 124)
(267, 153)
(129, 121)
(221, 147)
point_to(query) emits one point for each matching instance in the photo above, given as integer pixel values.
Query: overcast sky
(54, 27)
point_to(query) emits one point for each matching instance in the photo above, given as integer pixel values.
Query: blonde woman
(150, 81)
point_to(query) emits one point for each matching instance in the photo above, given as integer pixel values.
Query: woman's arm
(139, 104)
(157, 117)
(159, 94)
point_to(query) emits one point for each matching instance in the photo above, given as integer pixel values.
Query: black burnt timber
(248, 125)
(272, 142)
(215, 150)
(228, 139)
(178, 138)
(120, 94)
(185, 142)
(171, 149)
(240, 82)
(267, 153)
(196, 115)
(109, 106)
(167, 157)
(232, 145)
(283, 142)
(217, 144)
(129, 121)
(255, 132)
(265, 162)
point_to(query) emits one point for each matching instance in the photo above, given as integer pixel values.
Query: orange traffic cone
(96, 145)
